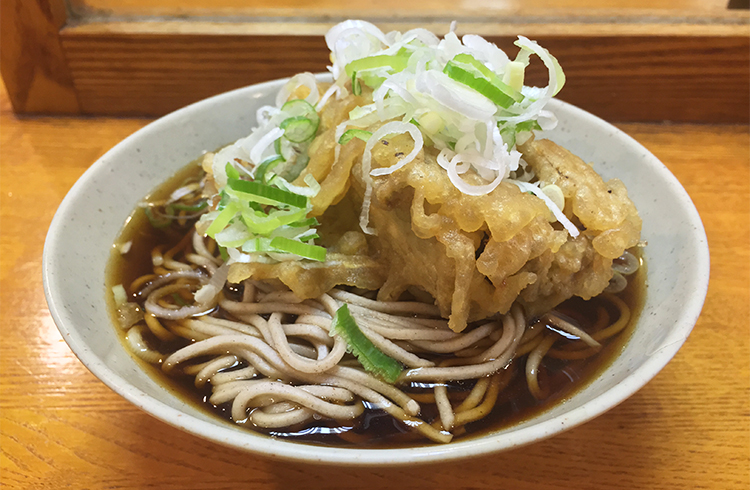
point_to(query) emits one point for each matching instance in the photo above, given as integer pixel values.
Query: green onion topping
(305, 250)
(350, 134)
(265, 166)
(394, 63)
(371, 358)
(265, 194)
(232, 172)
(478, 77)
(356, 86)
(298, 128)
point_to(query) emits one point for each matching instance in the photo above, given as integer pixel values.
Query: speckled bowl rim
(281, 449)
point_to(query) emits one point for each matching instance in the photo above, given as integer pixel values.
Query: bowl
(91, 215)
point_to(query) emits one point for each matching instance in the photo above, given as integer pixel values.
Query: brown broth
(514, 405)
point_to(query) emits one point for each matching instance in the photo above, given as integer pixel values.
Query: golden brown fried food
(475, 255)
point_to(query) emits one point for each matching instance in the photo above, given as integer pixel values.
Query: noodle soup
(387, 259)
(505, 398)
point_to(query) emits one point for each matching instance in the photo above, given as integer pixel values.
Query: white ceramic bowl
(91, 215)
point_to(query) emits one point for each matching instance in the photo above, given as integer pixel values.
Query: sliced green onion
(396, 62)
(265, 194)
(223, 253)
(299, 128)
(258, 244)
(305, 222)
(490, 89)
(223, 219)
(350, 134)
(356, 87)
(507, 89)
(313, 252)
(468, 59)
(263, 224)
(266, 165)
(514, 75)
(371, 358)
(156, 222)
(232, 173)
(225, 199)
(233, 235)
(528, 126)
(277, 148)
(508, 133)
(431, 122)
(307, 238)
(299, 107)
(509, 136)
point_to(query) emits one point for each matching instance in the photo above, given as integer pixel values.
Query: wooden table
(62, 428)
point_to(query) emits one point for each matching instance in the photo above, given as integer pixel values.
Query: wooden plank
(429, 8)
(32, 61)
(697, 78)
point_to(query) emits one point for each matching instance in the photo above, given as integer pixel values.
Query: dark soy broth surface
(375, 429)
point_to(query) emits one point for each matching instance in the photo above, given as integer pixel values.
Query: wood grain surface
(140, 73)
(62, 428)
(202, 7)
(33, 65)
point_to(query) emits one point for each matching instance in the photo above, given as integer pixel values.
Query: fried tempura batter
(475, 255)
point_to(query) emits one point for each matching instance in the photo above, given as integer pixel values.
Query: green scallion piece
(356, 87)
(528, 126)
(305, 222)
(299, 107)
(395, 62)
(371, 358)
(350, 134)
(490, 75)
(298, 129)
(232, 173)
(508, 133)
(277, 148)
(223, 253)
(313, 252)
(265, 194)
(258, 244)
(223, 219)
(225, 198)
(260, 223)
(473, 80)
(265, 166)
